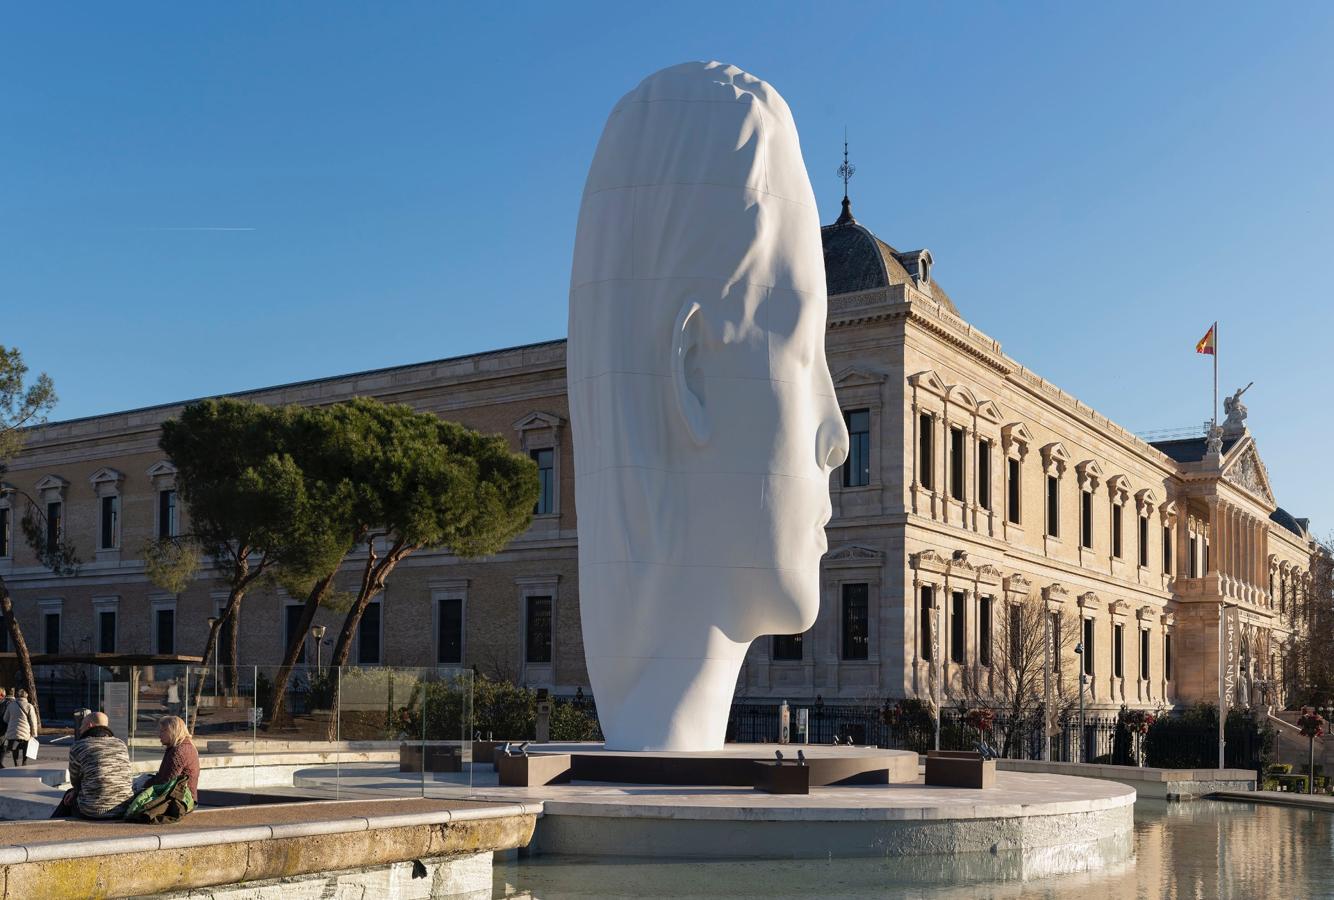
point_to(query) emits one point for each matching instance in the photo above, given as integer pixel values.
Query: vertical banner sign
(1231, 656)
(116, 704)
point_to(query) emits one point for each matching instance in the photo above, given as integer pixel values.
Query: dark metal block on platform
(437, 759)
(949, 768)
(528, 771)
(737, 769)
(484, 752)
(777, 778)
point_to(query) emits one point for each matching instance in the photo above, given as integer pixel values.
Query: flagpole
(1215, 355)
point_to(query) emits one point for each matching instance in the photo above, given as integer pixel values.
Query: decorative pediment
(1017, 436)
(537, 419)
(51, 483)
(856, 376)
(106, 475)
(855, 552)
(6, 489)
(962, 396)
(163, 468)
(1168, 619)
(1055, 593)
(1248, 473)
(1145, 613)
(1118, 607)
(1145, 501)
(989, 573)
(1119, 487)
(1168, 511)
(959, 563)
(988, 410)
(928, 561)
(928, 381)
(1055, 458)
(1087, 600)
(1090, 475)
(1018, 584)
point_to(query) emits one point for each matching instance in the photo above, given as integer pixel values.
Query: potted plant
(1312, 725)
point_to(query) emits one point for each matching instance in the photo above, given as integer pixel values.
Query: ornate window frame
(538, 674)
(540, 430)
(450, 589)
(106, 483)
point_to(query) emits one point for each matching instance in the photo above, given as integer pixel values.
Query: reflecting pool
(1201, 849)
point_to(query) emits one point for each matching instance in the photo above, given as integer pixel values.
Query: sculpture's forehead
(701, 123)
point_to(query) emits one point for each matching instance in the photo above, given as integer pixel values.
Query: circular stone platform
(1090, 821)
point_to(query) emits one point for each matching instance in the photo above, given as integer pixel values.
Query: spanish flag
(1206, 344)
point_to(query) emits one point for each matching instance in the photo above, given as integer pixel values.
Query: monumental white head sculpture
(705, 422)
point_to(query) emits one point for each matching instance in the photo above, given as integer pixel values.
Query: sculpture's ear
(687, 338)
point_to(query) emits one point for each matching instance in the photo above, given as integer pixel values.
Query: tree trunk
(231, 665)
(20, 646)
(372, 582)
(313, 600)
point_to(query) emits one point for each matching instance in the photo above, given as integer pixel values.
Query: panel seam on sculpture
(718, 184)
(683, 472)
(770, 379)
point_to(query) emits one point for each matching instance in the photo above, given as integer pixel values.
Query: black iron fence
(1170, 742)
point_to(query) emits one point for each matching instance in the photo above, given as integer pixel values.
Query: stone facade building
(973, 484)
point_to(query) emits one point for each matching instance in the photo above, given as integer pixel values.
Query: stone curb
(112, 846)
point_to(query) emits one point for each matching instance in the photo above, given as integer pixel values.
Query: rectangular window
(1206, 554)
(1194, 556)
(166, 514)
(1086, 519)
(1167, 550)
(1053, 506)
(546, 495)
(291, 622)
(1118, 649)
(1016, 628)
(1012, 490)
(984, 631)
(1056, 642)
(4, 635)
(368, 636)
(1088, 646)
(984, 474)
(1167, 656)
(53, 526)
(1116, 530)
(449, 631)
(1144, 653)
(856, 621)
(925, 452)
(110, 520)
(857, 469)
(225, 634)
(924, 612)
(956, 463)
(1144, 541)
(956, 627)
(106, 631)
(51, 633)
(4, 531)
(787, 648)
(166, 632)
(537, 633)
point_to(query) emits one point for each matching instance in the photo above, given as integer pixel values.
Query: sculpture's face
(704, 416)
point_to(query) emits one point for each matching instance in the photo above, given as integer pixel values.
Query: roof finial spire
(846, 171)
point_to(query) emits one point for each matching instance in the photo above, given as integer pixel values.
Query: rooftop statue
(704, 417)
(1234, 424)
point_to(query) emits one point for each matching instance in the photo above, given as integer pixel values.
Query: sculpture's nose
(831, 440)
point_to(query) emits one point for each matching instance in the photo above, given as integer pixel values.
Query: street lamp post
(317, 632)
(212, 624)
(1079, 652)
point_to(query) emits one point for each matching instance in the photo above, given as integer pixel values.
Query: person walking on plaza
(4, 705)
(20, 726)
(99, 770)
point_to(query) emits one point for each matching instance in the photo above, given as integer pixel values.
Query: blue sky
(197, 198)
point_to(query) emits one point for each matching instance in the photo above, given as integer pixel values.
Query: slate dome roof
(857, 260)
(1285, 519)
